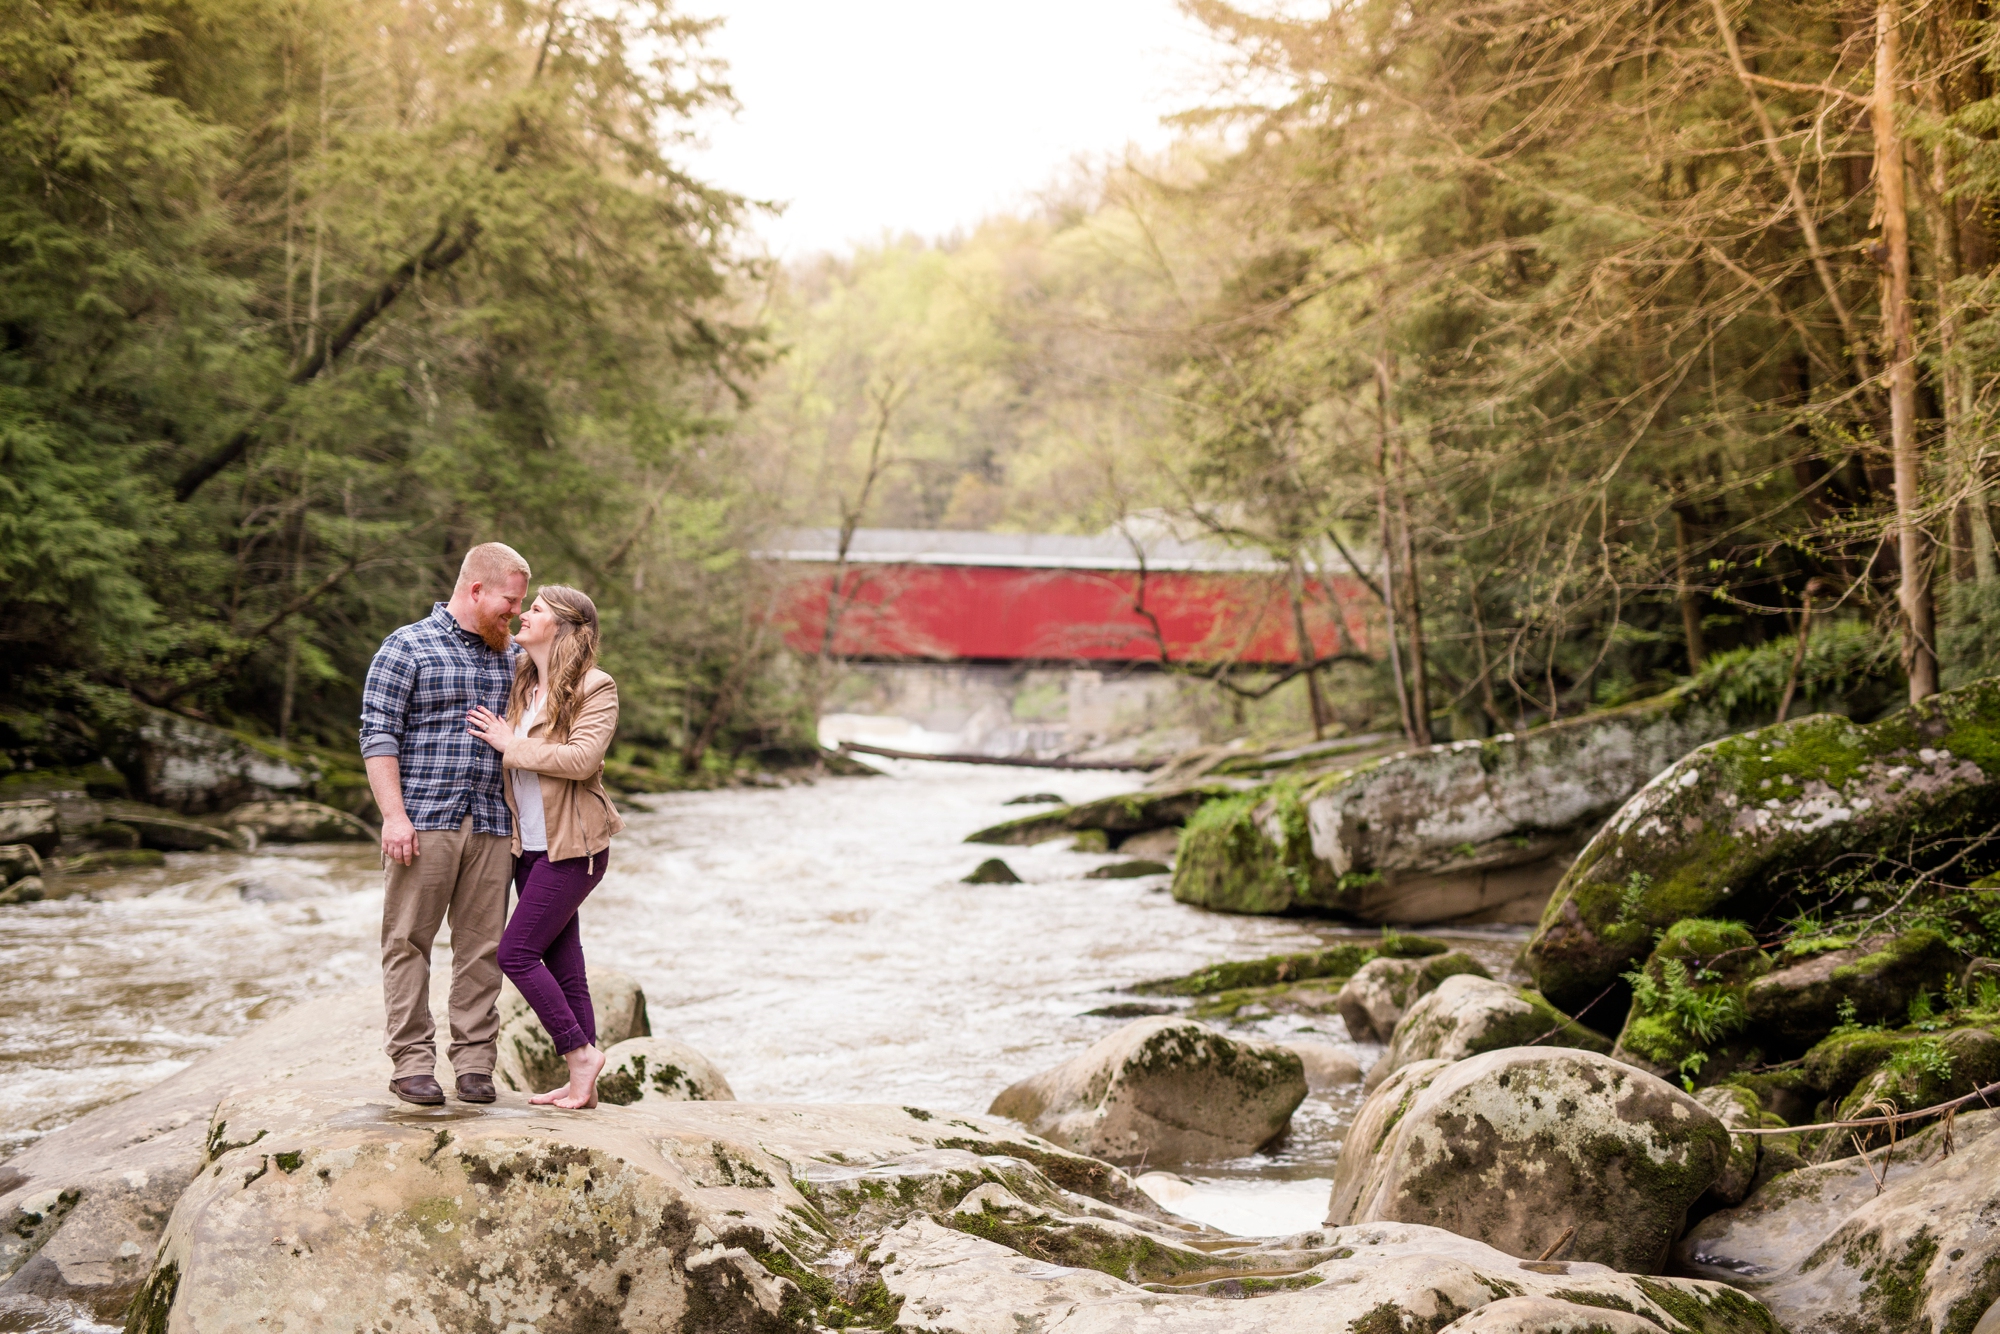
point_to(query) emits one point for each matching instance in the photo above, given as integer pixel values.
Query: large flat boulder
(1744, 826)
(1163, 1090)
(1468, 1014)
(1373, 1001)
(1515, 1147)
(1900, 1243)
(1472, 831)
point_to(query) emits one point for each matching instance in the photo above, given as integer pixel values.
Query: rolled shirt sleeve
(385, 699)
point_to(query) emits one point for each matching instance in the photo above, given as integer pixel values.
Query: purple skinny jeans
(541, 951)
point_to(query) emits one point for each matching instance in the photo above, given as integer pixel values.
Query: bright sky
(927, 115)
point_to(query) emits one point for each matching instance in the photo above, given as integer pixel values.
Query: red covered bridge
(915, 595)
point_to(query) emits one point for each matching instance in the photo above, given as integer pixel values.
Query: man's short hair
(490, 562)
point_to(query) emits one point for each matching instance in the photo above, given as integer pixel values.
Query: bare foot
(544, 1099)
(585, 1064)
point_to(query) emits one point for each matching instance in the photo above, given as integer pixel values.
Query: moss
(1690, 995)
(289, 1163)
(1334, 961)
(155, 1302)
(1717, 1310)
(1227, 863)
(1133, 1257)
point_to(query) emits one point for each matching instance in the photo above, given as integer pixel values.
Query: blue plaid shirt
(424, 680)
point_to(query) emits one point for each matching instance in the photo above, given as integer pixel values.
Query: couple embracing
(485, 752)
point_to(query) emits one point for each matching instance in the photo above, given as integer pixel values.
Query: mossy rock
(1131, 870)
(1742, 827)
(1128, 813)
(992, 871)
(1871, 981)
(113, 859)
(1909, 1070)
(1687, 1000)
(1471, 831)
(1469, 1014)
(1376, 998)
(1335, 961)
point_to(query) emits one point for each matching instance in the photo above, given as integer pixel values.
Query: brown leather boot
(422, 1090)
(476, 1087)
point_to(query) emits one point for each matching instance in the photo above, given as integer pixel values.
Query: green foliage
(1847, 663)
(200, 507)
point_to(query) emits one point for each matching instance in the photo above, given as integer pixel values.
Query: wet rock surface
(1374, 999)
(1517, 1146)
(1742, 825)
(1162, 1090)
(1830, 1250)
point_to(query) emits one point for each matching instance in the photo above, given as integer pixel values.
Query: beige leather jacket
(575, 808)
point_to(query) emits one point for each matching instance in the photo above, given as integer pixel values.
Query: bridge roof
(1110, 550)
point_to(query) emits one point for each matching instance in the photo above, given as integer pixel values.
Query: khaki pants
(463, 876)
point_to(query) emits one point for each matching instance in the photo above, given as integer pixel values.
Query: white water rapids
(814, 941)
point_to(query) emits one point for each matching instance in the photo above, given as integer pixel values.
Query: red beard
(494, 632)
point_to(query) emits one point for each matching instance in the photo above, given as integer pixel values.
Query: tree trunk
(1413, 604)
(1389, 600)
(1308, 655)
(1919, 631)
(1697, 649)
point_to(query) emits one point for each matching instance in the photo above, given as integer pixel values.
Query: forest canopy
(1601, 339)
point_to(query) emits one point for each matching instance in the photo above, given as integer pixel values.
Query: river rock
(1381, 1277)
(529, 1061)
(992, 871)
(660, 1069)
(167, 831)
(1326, 1066)
(1162, 1089)
(1131, 870)
(1745, 825)
(1828, 1254)
(1514, 1146)
(1473, 831)
(1469, 1014)
(1375, 998)
(28, 889)
(297, 822)
(18, 860)
(1117, 817)
(1736, 1108)
(198, 769)
(1800, 1004)
(31, 822)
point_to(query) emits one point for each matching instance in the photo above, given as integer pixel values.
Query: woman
(559, 722)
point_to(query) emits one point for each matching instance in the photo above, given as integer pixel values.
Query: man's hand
(385, 780)
(399, 838)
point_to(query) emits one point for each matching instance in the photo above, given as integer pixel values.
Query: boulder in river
(1131, 870)
(1876, 979)
(1894, 1243)
(199, 769)
(529, 1061)
(1327, 1066)
(1117, 818)
(1375, 998)
(1515, 1147)
(992, 871)
(1469, 1014)
(18, 860)
(1162, 1090)
(660, 1069)
(1744, 826)
(297, 822)
(31, 822)
(1472, 831)
(28, 889)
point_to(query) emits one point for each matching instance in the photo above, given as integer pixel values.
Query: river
(814, 941)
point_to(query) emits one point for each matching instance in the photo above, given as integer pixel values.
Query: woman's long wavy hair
(571, 657)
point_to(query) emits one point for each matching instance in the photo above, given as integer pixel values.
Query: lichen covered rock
(1469, 1014)
(1163, 1090)
(1473, 831)
(660, 1069)
(1736, 1108)
(1742, 825)
(1514, 1146)
(1875, 979)
(1831, 1252)
(1375, 998)
(529, 1061)
(199, 769)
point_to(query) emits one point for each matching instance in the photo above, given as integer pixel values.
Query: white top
(528, 789)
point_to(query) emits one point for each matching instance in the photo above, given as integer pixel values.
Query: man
(446, 832)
